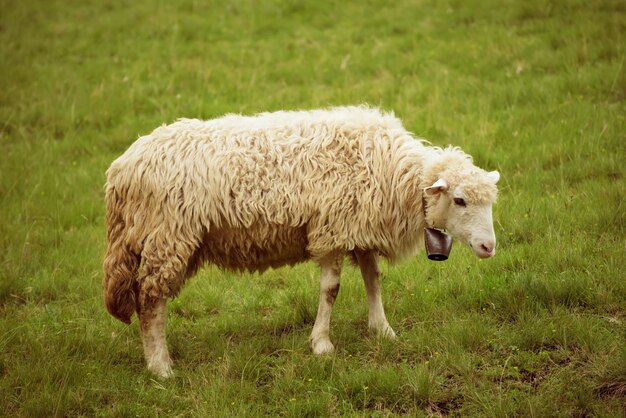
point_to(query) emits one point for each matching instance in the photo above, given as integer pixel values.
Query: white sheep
(249, 193)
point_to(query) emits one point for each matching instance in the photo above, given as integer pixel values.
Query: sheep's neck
(424, 207)
(424, 211)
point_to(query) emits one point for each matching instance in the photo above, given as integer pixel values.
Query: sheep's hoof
(383, 330)
(322, 346)
(162, 369)
(388, 332)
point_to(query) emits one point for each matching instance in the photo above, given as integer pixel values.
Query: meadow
(535, 89)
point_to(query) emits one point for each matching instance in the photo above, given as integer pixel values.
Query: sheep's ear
(439, 186)
(493, 176)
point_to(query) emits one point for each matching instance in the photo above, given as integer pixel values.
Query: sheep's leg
(371, 276)
(329, 287)
(166, 263)
(152, 316)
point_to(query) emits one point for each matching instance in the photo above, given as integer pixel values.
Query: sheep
(248, 193)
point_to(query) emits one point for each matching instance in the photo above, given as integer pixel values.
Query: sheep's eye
(459, 201)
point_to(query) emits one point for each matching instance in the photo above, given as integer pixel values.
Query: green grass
(535, 89)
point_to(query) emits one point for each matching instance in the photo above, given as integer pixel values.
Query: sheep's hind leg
(371, 276)
(166, 265)
(152, 317)
(329, 287)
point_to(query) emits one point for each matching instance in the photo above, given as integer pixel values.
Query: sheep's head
(462, 205)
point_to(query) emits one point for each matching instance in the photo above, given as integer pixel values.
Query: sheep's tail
(121, 265)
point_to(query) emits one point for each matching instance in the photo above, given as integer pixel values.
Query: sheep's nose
(484, 249)
(487, 247)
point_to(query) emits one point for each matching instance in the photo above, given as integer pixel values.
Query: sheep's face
(464, 209)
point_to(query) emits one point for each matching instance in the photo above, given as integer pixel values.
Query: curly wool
(253, 192)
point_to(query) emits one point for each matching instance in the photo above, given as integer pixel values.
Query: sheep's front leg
(329, 287)
(371, 276)
(152, 316)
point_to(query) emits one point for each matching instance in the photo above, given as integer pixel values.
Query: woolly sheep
(250, 193)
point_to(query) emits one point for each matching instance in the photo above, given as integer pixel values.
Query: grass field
(535, 89)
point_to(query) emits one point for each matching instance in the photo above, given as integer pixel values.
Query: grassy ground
(535, 89)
